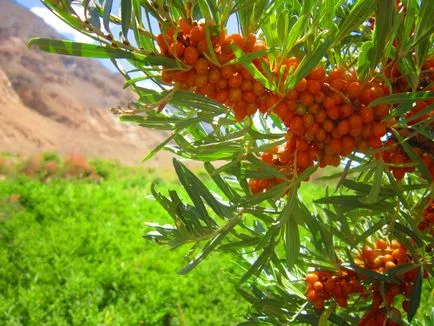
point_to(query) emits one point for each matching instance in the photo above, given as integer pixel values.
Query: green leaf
(371, 275)
(251, 67)
(423, 31)
(126, 10)
(373, 197)
(197, 190)
(414, 157)
(106, 17)
(308, 62)
(403, 229)
(402, 98)
(326, 315)
(292, 242)
(158, 147)
(210, 246)
(415, 296)
(360, 13)
(383, 25)
(96, 51)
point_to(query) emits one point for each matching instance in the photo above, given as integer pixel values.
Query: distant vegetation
(72, 252)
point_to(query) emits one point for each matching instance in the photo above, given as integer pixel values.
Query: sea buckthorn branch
(229, 97)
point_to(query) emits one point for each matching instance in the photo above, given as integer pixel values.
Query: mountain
(53, 102)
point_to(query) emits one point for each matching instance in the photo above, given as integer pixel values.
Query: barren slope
(50, 102)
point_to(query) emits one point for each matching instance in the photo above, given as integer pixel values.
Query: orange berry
(301, 86)
(343, 127)
(222, 96)
(184, 26)
(246, 85)
(348, 145)
(251, 108)
(197, 34)
(235, 81)
(374, 142)
(267, 158)
(259, 45)
(399, 254)
(378, 129)
(386, 258)
(346, 110)
(369, 255)
(306, 98)
(328, 125)
(201, 66)
(281, 110)
(317, 73)
(226, 46)
(338, 84)
(366, 96)
(313, 86)
(321, 135)
(292, 95)
(303, 160)
(381, 244)
(312, 295)
(235, 94)
(227, 72)
(389, 264)
(337, 74)
(222, 84)
(249, 42)
(297, 125)
(201, 80)
(258, 89)
(249, 97)
(366, 114)
(319, 97)
(354, 90)
(333, 113)
(355, 121)
(191, 55)
(394, 244)
(329, 102)
(381, 111)
(162, 43)
(214, 75)
(318, 286)
(308, 120)
(177, 49)
(336, 146)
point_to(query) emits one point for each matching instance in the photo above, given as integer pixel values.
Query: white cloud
(60, 26)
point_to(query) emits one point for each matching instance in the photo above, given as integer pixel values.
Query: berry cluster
(327, 114)
(384, 256)
(322, 286)
(229, 84)
(325, 285)
(380, 259)
(421, 146)
(427, 222)
(396, 156)
(379, 316)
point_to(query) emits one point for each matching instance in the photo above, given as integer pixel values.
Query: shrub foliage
(266, 94)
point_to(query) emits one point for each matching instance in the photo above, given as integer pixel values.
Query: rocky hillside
(50, 102)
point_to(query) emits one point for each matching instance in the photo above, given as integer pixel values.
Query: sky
(68, 32)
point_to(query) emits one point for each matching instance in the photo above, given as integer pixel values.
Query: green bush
(72, 252)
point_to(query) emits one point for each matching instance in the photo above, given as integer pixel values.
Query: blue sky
(69, 33)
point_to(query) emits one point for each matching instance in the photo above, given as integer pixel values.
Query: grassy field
(72, 252)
